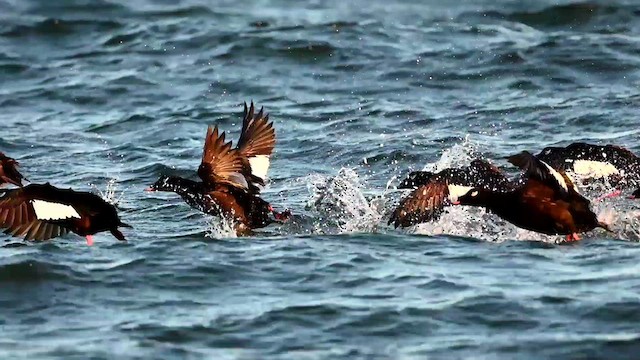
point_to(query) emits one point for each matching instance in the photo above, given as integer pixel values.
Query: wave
(566, 15)
(54, 27)
(37, 270)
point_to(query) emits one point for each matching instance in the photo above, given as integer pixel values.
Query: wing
(9, 171)
(220, 163)
(415, 179)
(19, 217)
(538, 169)
(258, 136)
(482, 166)
(257, 140)
(423, 204)
(489, 177)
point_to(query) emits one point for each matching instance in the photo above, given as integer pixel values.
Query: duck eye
(474, 193)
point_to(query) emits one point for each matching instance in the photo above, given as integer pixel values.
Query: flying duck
(433, 191)
(42, 211)
(616, 164)
(231, 177)
(547, 202)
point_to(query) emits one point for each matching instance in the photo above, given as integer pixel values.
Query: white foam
(341, 204)
(46, 210)
(220, 227)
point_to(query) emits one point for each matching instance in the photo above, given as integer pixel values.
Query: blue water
(107, 95)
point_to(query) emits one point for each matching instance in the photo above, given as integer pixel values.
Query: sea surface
(107, 95)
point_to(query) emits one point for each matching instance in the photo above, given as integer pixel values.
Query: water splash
(110, 193)
(471, 221)
(458, 155)
(219, 228)
(341, 203)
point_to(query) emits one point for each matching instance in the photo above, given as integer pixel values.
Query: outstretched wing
(488, 176)
(485, 167)
(32, 219)
(257, 140)
(415, 179)
(423, 204)
(258, 136)
(220, 163)
(538, 169)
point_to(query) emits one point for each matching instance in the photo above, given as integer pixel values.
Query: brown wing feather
(423, 204)
(220, 163)
(258, 136)
(18, 217)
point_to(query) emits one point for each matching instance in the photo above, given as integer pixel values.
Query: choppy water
(111, 94)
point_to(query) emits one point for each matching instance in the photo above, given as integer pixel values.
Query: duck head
(106, 219)
(474, 197)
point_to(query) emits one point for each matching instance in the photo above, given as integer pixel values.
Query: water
(108, 95)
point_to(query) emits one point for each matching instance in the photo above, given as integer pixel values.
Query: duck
(613, 163)
(231, 178)
(546, 202)
(432, 192)
(9, 173)
(39, 212)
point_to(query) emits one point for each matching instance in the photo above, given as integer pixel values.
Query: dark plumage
(434, 191)
(616, 164)
(546, 202)
(231, 177)
(417, 178)
(41, 212)
(9, 173)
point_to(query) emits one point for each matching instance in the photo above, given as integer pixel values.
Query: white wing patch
(53, 211)
(557, 176)
(455, 191)
(259, 166)
(596, 169)
(572, 177)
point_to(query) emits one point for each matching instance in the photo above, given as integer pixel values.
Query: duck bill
(150, 189)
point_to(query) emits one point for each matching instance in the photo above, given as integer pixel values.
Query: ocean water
(106, 95)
